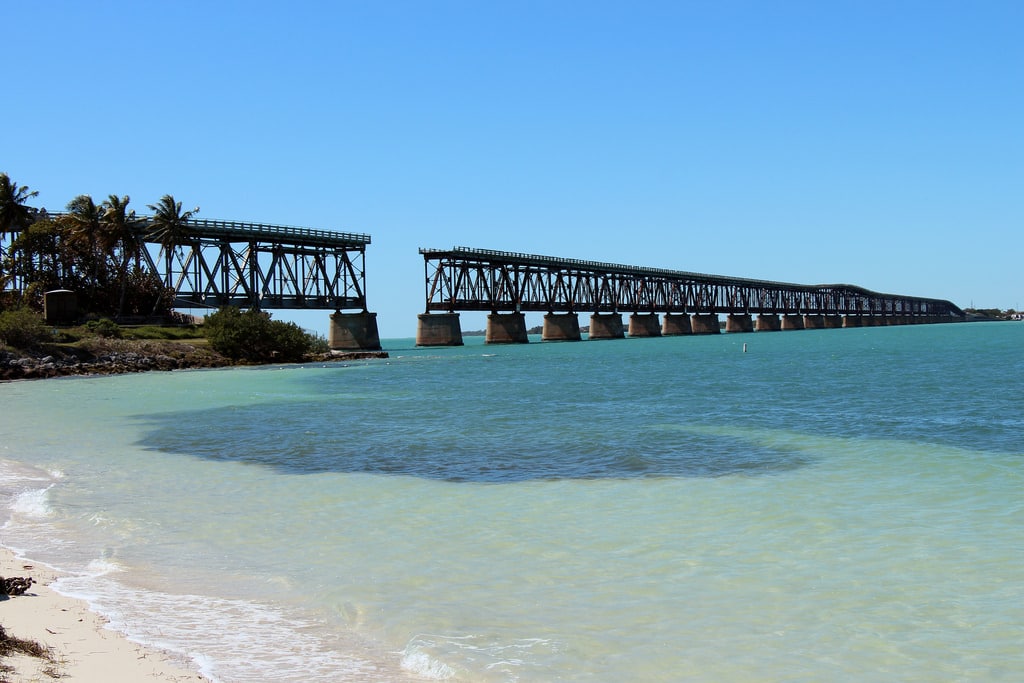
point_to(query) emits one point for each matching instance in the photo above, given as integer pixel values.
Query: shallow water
(833, 504)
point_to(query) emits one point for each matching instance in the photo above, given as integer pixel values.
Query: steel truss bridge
(255, 265)
(464, 279)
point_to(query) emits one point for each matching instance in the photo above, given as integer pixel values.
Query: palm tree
(169, 227)
(84, 221)
(15, 215)
(121, 231)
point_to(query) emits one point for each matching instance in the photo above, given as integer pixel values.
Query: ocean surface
(840, 505)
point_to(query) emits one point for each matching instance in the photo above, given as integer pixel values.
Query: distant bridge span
(506, 284)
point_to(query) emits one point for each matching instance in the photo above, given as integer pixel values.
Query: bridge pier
(833, 322)
(646, 325)
(506, 328)
(814, 322)
(705, 323)
(674, 325)
(353, 332)
(792, 322)
(768, 322)
(606, 326)
(853, 321)
(438, 329)
(561, 327)
(739, 322)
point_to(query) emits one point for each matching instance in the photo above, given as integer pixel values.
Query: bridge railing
(248, 229)
(245, 229)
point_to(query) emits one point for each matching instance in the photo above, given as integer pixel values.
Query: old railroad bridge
(507, 284)
(219, 263)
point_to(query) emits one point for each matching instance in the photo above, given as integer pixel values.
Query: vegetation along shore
(31, 349)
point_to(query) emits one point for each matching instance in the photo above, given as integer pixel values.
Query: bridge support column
(561, 327)
(646, 325)
(792, 322)
(674, 325)
(353, 332)
(814, 322)
(438, 329)
(768, 322)
(853, 321)
(833, 322)
(705, 324)
(606, 326)
(739, 322)
(506, 328)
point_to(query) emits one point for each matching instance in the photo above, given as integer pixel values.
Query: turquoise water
(828, 505)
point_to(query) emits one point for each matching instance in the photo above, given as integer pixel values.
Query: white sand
(84, 649)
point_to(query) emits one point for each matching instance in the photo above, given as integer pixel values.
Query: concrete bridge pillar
(853, 321)
(792, 322)
(506, 328)
(814, 322)
(767, 322)
(647, 325)
(739, 322)
(353, 332)
(833, 322)
(561, 327)
(705, 323)
(438, 329)
(674, 325)
(606, 326)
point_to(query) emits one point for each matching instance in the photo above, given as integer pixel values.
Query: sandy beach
(80, 645)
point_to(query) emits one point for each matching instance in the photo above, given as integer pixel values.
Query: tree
(252, 336)
(169, 225)
(84, 232)
(15, 214)
(121, 232)
(39, 259)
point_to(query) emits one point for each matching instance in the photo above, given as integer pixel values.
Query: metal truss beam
(464, 279)
(255, 265)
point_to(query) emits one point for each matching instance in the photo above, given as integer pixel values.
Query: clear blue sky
(873, 143)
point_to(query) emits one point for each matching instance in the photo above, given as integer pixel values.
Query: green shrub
(24, 329)
(253, 337)
(104, 327)
(318, 343)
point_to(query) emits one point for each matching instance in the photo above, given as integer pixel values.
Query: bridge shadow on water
(299, 438)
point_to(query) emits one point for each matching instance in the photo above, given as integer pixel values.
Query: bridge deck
(241, 230)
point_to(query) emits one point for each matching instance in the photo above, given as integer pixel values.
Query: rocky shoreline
(116, 356)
